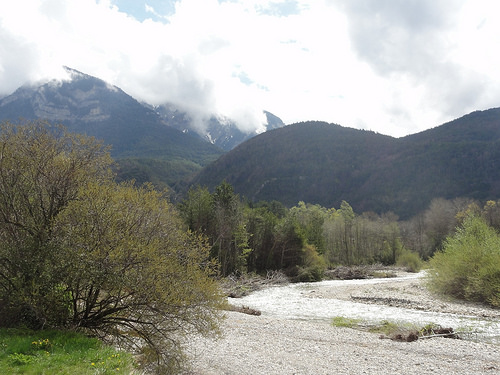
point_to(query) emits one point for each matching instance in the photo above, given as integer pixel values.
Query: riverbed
(401, 300)
(294, 334)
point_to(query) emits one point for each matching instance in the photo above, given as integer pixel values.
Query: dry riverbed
(272, 345)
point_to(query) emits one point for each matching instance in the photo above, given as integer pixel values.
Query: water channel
(293, 301)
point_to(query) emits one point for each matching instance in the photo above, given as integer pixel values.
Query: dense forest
(306, 239)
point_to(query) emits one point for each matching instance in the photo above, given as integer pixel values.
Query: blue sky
(396, 67)
(158, 10)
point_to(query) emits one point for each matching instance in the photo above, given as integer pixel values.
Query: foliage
(231, 243)
(219, 216)
(59, 352)
(261, 224)
(469, 265)
(410, 260)
(491, 213)
(312, 267)
(134, 270)
(360, 239)
(42, 169)
(80, 251)
(267, 236)
(311, 219)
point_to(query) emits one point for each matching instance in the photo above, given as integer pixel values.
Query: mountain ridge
(312, 161)
(323, 163)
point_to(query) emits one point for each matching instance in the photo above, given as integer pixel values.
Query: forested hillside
(324, 164)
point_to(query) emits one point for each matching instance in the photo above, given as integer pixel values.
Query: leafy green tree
(230, 242)
(288, 247)
(42, 169)
(278, 209)
(491, 213)
(347, 214)
(260, 223)
(468, 267)
(79, 251)
(197, 210)
(219, 216)
(313, 265)
(311, 218)
(130, 268)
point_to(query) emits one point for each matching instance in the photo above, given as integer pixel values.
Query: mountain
(323, 163)
(157, 144)
(88, 105)
(223, 133)
(137, 134)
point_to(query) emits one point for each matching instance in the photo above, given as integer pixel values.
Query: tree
(78, 250)
(491, 213)
(260, 224)
(230, 242)
(129, 267)
(219, 216)
(311, 218)
(348, 216)
(42, 169)
(288, 247)
(197, 210)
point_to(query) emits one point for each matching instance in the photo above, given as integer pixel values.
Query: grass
(340, 321)
(59, 352)
(393, 330)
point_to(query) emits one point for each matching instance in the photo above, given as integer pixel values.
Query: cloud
(391, 66)
(396, 36)
(418, 42)
(186, 61)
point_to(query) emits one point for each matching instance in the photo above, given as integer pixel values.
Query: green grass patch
(59, 352)
(340, 321)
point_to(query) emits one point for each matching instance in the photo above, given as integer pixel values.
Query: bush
(313, 267)
(469, 265)
(409, 260)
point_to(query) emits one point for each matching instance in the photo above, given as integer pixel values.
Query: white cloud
(390, 66)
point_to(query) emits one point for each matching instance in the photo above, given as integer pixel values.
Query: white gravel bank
(270, 345)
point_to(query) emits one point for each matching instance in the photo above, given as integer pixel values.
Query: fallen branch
(447, 335)
(244, 309)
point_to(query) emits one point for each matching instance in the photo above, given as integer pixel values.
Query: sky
(396, 67)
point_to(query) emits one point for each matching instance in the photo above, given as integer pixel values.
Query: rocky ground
(269, 345)
(410, 293)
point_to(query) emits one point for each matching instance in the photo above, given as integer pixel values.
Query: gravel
(271, 345)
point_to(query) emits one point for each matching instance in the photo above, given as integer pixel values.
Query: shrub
(409, 260)
(469, 265)
(313, 267)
